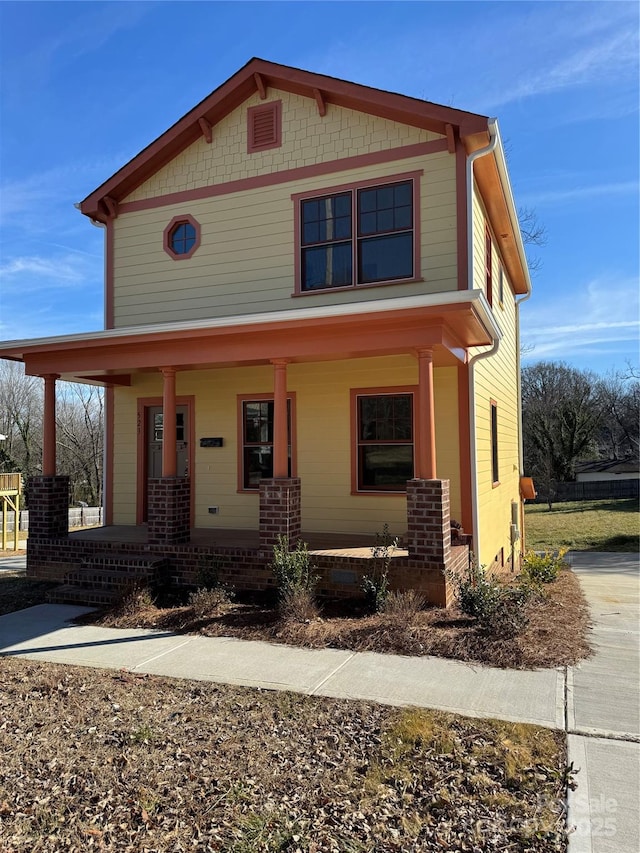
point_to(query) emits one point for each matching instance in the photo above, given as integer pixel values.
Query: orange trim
(207, 130)
(183, 218)
(380, 333)
(461, 218)
(527, 489)
(109, 432)
(419, 149)
(466, 505)
(322, 107)
(247, 398)
(168, 422)
(280, 428)
(425, 439)
(493, 406)
(262, 89)
(372, 392)
(145, 403)
(109, 320)
(451, 138)
(352, 188)
(49, 426)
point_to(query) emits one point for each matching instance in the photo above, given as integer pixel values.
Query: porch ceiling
(358, 330)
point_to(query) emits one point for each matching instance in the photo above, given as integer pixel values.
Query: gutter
(481, 152)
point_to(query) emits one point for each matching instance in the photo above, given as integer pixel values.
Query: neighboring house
(612, 469)
(312, 294)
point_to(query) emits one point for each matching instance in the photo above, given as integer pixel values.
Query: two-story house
(311, 329)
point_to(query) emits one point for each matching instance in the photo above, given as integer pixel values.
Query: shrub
(206, 602)
(298, 605)
(403, 606)
(208, 576)
(293, 573)
(498, 609)
(375, 586)
(542, 568)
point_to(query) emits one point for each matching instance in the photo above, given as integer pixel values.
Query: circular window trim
(182, 219)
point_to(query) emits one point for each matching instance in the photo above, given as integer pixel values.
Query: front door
(154, 435)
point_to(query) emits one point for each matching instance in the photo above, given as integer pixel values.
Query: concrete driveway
(603, 709)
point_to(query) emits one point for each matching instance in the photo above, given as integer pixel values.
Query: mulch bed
(556, 634)
(101, 761)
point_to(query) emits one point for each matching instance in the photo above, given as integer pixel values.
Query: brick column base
(429, 522)
(280, 511)
(169, 510)
(48, 507)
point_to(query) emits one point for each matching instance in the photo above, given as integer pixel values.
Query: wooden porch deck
(326, 544)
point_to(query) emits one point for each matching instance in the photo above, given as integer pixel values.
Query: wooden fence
(86, 516)
(596, 490)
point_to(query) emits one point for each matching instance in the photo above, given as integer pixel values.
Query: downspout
(475, 155)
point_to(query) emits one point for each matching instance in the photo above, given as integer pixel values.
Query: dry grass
(556, 634)
(584, 526)
(98, 761)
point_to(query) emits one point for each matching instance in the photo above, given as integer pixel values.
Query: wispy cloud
(65, 269)
(581, 193)
(606, 319)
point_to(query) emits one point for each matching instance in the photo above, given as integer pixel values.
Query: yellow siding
(323, 442)
(245, 263)
(496, 379)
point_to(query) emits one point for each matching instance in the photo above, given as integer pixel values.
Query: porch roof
(450, 323)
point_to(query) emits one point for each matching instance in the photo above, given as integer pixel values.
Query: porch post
(49, 430)
(169, 422)
(280, 420)
(426, 433)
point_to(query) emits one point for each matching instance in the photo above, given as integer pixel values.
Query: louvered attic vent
(264, 127)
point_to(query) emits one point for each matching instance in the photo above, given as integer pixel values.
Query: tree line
(79, 431)
(571, 415)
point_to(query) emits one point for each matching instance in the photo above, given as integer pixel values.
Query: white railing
(85, 516)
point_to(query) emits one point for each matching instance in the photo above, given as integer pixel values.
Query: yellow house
(311, 329)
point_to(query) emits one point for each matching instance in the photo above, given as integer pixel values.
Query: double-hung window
(257, 440)
(384, 438)
(364, 234)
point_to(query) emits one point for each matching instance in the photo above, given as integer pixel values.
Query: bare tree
(534, 233)
(619, 433)
(20, 420)
(80, 439)
(562, 411)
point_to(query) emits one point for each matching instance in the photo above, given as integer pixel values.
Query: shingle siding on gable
(307, 138)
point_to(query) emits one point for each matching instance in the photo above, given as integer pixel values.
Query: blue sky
(86, 85)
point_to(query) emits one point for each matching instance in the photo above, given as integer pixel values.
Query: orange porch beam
(426, 439)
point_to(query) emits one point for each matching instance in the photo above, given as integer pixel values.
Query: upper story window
(361, 235)
(181, 237)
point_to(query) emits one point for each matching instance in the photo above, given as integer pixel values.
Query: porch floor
(326, 544)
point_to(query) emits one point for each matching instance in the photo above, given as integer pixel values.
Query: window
(384, 441)
(501, 285)
(257, 441)
(489, 265)
(359, 235)
(264, 127)
(181, 237)
(495, 473)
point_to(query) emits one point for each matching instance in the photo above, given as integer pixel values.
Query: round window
(182, 238)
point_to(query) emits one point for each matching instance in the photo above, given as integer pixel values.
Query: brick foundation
(169, 504)
(429, 521)
(48, 507)
(280, 512)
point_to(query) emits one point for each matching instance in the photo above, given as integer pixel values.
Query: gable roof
(258, 75)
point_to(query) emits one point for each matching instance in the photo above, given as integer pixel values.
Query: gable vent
(264, 127)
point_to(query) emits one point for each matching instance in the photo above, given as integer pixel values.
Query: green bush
(542, 568)
(292, 569)
(375, 586)
(498, 609)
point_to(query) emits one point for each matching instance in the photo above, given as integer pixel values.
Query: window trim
(388, 391)
(261, 398)
(166, 236)
(273, 107)
(494, 446)
(353, 187)
(488, 263)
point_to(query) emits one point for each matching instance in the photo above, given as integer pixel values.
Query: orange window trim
(383, 180)
(495, 458)
(377, 392)
(262, 397)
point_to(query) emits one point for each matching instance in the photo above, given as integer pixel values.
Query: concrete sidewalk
(596, 703)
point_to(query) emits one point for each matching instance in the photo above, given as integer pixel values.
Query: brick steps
(103, 579)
